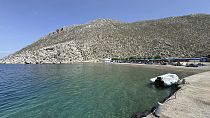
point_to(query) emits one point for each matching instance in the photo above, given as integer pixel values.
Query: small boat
(165, 80)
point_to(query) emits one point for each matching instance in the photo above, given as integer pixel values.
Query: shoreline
(204, 68)
(191, 101)
(195, 70)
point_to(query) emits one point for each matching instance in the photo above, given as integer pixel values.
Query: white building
(107, 60)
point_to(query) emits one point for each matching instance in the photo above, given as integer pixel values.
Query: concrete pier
(191, 101)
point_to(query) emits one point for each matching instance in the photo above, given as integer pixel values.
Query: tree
(115, 58)
(157, 57)
(149, 58)
(132, 58)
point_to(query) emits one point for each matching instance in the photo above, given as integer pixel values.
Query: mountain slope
(184, 36)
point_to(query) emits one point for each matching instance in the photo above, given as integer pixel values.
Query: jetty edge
(192, 100)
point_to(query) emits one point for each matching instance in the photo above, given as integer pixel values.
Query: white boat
(165, 80)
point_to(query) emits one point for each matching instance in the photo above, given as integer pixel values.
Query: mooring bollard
(183, 81)
(158, 110)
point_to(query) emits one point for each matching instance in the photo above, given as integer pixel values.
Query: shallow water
(77, 90)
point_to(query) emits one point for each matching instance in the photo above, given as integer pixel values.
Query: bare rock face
(185, 36)
(58, 53)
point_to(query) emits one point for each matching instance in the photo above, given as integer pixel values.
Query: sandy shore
(191, 101)
(170, 67)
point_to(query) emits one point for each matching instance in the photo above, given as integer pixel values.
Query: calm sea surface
(77, 90)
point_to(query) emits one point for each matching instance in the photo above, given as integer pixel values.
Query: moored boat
(165, 80)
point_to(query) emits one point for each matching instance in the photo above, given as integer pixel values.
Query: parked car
(200, 64)
(191, 65)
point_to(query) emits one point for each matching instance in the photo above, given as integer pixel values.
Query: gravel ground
(170, 67)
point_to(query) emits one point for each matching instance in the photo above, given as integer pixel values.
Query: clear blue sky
(24, 21)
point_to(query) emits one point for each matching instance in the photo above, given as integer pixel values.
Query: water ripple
(76, 90)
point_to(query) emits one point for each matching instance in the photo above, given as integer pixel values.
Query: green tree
(149, 58)
(157, 57)
(132, 58)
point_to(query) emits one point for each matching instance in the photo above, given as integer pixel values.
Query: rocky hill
(184, 36)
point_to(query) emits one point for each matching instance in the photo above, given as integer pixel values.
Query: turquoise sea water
(77, 90)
